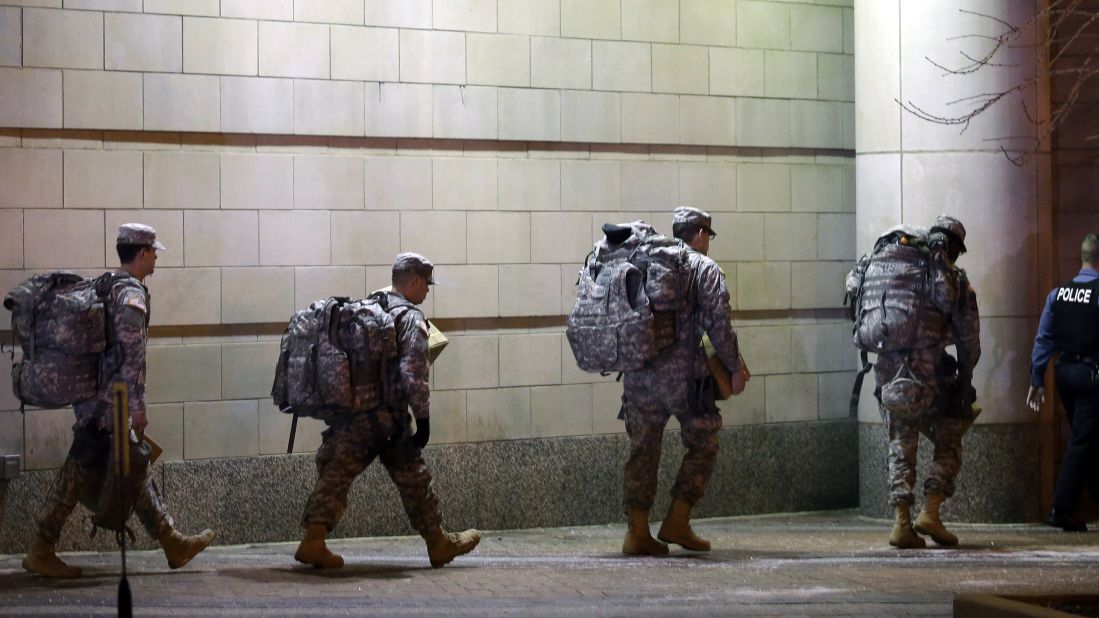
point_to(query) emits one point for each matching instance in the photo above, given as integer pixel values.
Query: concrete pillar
(909, 170)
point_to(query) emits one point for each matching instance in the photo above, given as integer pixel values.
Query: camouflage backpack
(60, 321)
(333, 355)
(629, 289)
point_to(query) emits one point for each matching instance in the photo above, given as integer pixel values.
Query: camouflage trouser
(349, 445)
(646, 413)
(944, 432)
(77, 482)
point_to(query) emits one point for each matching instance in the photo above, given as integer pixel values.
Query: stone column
(909, 170)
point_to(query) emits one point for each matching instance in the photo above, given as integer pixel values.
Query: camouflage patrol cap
(952, 227)
(687, 215)
(138, 234)
(416, 264)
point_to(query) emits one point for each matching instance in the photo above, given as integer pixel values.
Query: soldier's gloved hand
(139, 421)
(1035, 397)
(423, 432)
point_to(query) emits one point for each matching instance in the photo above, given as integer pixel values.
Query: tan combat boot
(42, 560)
(639, 541)
(443, 546)
(903, 535)
(312, 549)
(677, 528)
(928, 522)
(179, 549)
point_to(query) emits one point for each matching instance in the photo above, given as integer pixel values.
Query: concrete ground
(808, 564)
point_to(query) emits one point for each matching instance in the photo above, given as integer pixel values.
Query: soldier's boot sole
(50, 566)
(904, 537)
(452, 545)
(932, 527)
(179, 549)
(638, 545)
(316, 553)
(686, 539)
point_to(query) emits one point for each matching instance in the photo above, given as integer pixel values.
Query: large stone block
(740, 237)
(707, 120)
(257, 295)
(707, 22)
(316, 282)
(621, 66)
(763, 122)
(438, 235)
(763, 25)
(31, 178)
(62, 39)
(433, 57)
(365, 237)
(763, 285)
(11, 239)
(470, 361)
(183, 7)
(182, 103)
(836, 234)
(650, 20)
(30, 98)
(278, 10)
(790, 75)
(103, 179)
(738, 72)
(530, 289)
(560, 63)
(817, 188)
(530, 359)
(535, 17)
(498, 237)
(403, 110)
(560, 237)
(682, 69)
(470, 292)
(102, 100)
(448, 417)
(295, 238)
(650, 185)
(257, 181)
(294, 50)
(591, 185)
(185, 295)
(564, 410)
(370, 54)
(591, 116)
(220, 429)
(709, 186)
(11, 36)
(650, 118)
(498, 414)
(763, 187)
(464, 112)
(591, 19)
(498, 59)
(526, 114)
(464, 184)
(834, 395)
(406, 14)
(248, 369)
(47, 435)
(221, 238)
(330, 12)
(166, 427)
(220, 46)
(822, 347)
(398, 183)
(183, 373)
(468, 15)
(328, 107)
(606, 403)
(836, 77)
(817, 124)
(528, 184)
(789, 237)
(791, 398)
(328, 182)
(817, 284)
(79, 232)
(257, 105)
(169, 231)
(182, 180)
(766, 349)
(141, 42)
(816, 28)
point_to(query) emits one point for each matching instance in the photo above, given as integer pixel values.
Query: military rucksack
(628, 291)
(60, 321)
(333, 356)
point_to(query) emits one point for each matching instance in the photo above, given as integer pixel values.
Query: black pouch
(701, 400)
(91, 447)
(119, 494)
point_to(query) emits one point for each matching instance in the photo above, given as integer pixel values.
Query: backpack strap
(856, 392)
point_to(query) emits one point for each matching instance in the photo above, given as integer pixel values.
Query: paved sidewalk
(810, 564)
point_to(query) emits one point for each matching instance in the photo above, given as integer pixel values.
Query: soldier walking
(673, 383)
(83, 474)
(353, 441)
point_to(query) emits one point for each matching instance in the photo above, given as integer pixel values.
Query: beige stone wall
(287, 150)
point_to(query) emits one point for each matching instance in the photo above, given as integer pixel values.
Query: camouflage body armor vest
(333, 356)
(60, 321)
(628, 291)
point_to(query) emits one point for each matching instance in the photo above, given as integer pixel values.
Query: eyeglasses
(712, 234)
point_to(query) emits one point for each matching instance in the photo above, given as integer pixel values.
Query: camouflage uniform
(84, 471)
(672, 383)
(351, 443)
(937, 330)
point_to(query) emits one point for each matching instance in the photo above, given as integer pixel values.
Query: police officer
(84, 471)
(949, 317)
(673, 384)
(351, 442)
(1070, 327)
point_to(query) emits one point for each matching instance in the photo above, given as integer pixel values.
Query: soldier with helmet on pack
(82, 476)
(355, 438)
(644, 303)
(910, 302)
